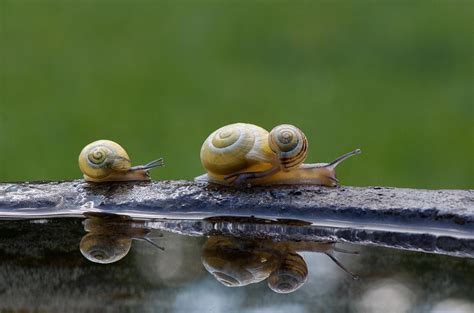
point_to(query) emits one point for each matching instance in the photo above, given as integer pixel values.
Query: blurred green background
(394, 78)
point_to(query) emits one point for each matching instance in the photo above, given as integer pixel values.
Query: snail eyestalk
(156, 163)
(354, 276)
(342, 158)
(151, 242)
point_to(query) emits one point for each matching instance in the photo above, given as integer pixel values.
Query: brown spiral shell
(290, 275)
(290, 145)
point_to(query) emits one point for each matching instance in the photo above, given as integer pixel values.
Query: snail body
(105, 160)
(247, 154)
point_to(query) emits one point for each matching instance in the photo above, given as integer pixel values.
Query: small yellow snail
(245, 153)
(109, 238)
(105, 160)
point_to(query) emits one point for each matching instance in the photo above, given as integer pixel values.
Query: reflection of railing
(439, 221)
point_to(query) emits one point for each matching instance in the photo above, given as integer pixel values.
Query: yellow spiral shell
(290, 145)
(100, 158)
(234, 148)
(290, 275)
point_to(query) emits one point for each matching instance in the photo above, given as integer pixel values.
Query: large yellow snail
(240, 262)
(246, 154)
(105, 160)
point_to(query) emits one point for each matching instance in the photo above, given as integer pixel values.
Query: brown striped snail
(290, 275)
(109, 238)
(240, 262)
(105, 160)
(239, 154)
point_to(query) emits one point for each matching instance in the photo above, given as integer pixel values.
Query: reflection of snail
(238, 262)
(237, 153)
(290, 275)
(105, 160)
(110, 238)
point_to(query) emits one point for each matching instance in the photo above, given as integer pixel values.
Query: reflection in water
(388, 296)
(234, 262)
(109, 237)
(239, 262)
(42, 270)
(453, 305)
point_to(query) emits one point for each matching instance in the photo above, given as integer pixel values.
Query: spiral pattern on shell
(290, 144)
(290, 275)
(98, 155)
(233, 148)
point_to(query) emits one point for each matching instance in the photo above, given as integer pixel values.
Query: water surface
(84, 265)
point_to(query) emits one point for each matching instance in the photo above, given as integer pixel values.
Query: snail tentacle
(354, 276)
(155, 163)
(342, 158)
(146, 239)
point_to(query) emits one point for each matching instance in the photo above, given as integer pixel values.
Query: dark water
(113, 264)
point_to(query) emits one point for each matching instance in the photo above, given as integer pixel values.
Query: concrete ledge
(447, 214)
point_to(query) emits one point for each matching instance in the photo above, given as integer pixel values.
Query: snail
(240, 262)
(109, 238)
(244, 154)
(105, 160)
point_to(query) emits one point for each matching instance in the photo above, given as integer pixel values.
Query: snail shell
(290, 145)
(236, 148)
(104, 248)
(290, 275)
(236, 264)
(105, 160)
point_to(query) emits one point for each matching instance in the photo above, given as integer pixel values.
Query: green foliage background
(394, 78)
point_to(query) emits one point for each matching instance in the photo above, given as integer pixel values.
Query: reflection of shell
(234, 266)
(105, 249)
(234, 148)
(290, 275)
(290, 144)
(99, 158)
